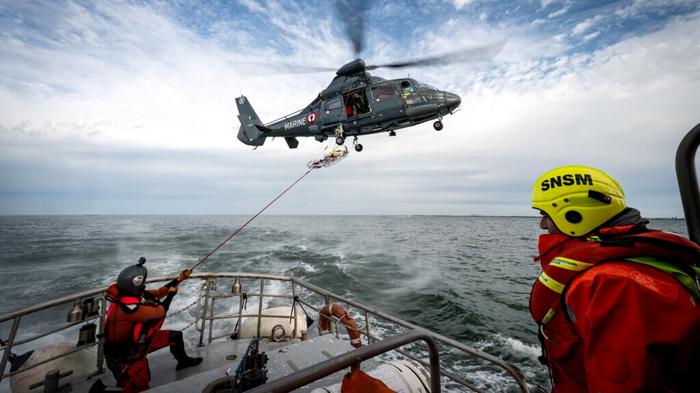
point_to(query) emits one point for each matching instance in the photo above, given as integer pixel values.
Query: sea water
(467, 278)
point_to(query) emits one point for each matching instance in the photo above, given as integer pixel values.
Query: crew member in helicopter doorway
(132, 327)
(616, 303)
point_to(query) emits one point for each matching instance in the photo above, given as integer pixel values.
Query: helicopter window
(383, 90)
(407, 88)
(423, 86)
(335, 103)
(415, 99)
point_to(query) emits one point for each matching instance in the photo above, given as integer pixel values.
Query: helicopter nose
(452, 100)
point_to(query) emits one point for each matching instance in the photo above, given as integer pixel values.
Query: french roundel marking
(311, 118)
(241, 100)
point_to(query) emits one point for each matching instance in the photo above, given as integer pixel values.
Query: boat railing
(16, 317)
(353, 359)
(368, 312)
(209, 300)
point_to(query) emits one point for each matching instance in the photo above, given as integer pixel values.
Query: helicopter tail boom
(252, 131)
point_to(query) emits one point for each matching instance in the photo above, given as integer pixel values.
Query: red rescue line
(249, 221)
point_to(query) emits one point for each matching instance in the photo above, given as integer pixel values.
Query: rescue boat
(267, 332)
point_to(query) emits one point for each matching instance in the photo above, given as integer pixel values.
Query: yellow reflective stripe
(684, 278)
(551, 283)
(547, 317)
(570, 264)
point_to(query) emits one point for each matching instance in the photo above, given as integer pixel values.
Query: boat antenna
(249, 221)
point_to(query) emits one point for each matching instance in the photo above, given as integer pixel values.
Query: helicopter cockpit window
(422, 86)
(384, 90)
(407, 88)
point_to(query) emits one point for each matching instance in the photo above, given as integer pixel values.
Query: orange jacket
(120, 325)
(622, 326)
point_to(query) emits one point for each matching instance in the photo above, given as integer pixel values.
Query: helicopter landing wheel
(437, 125)
(358, 147)
(392, 133)
(339, 140)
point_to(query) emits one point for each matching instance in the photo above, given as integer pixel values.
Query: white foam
(307, 267)
(341, 266)
(511, 344)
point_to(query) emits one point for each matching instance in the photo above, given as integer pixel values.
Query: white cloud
(624, 108)
(545, 3)
(149, 88)
(558, 13)
(637, 7)
(254, 6)
(584, 26)
(559, 38)
(164, 88)
(591, 36)
(459, 4)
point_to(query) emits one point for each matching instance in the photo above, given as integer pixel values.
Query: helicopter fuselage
(354, 104)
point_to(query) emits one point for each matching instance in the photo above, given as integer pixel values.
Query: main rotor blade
(260, 68)
(469, 55)
(301, 69)
(353, 14)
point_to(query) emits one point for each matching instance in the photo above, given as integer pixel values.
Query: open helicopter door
(332, 111)
(356, 103)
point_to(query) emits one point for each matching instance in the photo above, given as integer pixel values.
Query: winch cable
(249, 221)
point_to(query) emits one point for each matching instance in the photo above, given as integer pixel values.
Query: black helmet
(132, 280)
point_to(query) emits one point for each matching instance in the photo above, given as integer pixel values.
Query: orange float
(339, 312)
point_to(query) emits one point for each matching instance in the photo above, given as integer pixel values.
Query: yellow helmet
(578, 199)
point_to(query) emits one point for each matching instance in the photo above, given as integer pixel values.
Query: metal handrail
(222, 316)
(509, 368)
(92, 292)
(43, 306)
(353, 358)
(52, 331)
(688, 181)
(207, 315)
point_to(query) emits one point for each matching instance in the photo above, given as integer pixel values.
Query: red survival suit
(132, 330)
(614, 315)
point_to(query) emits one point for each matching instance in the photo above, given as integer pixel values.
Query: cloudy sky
(114, 107)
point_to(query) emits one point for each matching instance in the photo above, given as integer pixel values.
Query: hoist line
(249, 221)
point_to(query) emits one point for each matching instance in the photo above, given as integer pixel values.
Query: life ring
(339, 312)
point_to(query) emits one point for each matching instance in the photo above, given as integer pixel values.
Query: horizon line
(284, 215)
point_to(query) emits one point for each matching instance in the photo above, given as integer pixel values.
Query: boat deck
(223, 356)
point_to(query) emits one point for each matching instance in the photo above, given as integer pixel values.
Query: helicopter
(355, 103)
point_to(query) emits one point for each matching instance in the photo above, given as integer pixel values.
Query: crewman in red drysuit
(132, 327)
(616, 303)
